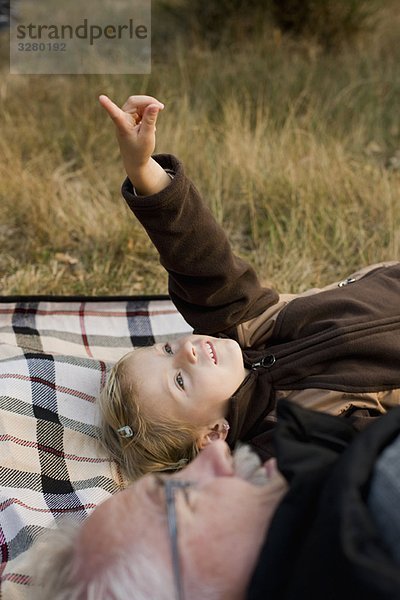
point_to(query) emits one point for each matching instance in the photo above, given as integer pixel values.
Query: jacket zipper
(265, 362)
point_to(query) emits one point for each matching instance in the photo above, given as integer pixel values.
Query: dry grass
(297, 152)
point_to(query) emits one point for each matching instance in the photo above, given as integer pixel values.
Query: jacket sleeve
(212, 288)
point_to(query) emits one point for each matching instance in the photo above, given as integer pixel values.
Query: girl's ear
(217, 431)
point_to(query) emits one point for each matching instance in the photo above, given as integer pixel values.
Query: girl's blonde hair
(157, 444)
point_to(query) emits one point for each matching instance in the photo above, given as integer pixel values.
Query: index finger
(113, 110)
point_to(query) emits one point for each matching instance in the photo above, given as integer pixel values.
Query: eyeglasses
(170, 486)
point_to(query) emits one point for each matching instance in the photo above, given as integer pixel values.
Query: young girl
(335, 350)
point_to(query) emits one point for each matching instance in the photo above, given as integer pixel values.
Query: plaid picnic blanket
(54, 358)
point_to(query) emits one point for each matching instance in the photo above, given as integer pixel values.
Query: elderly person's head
(192, 535)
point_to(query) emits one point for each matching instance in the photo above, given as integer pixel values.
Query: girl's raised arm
(211, 287)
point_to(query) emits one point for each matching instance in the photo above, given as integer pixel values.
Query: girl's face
(189, 379)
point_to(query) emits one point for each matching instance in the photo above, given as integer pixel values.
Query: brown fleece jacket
(345, 339)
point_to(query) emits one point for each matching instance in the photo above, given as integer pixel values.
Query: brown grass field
(296, 150)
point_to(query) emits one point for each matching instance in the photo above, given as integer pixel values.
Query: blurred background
(285, 114)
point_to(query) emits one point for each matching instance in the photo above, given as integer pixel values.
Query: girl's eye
(179, 381)
(167, 349)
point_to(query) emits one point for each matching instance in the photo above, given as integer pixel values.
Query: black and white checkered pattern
(54, 357)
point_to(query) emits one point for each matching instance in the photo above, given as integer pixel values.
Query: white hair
(54, 563)
(138, 576)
